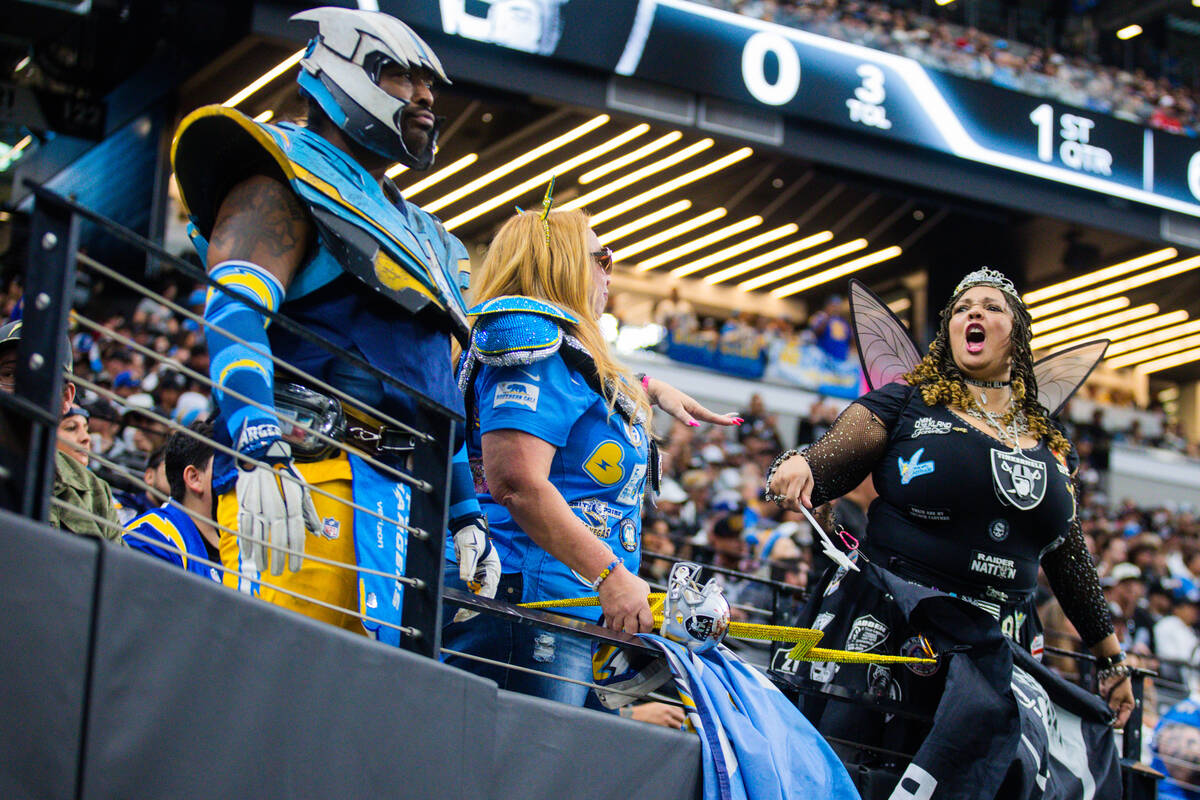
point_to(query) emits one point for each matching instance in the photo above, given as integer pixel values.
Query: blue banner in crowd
(803, 365)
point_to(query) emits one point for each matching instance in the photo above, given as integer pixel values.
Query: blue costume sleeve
(543, 399)
(243, 368)
(463, 504)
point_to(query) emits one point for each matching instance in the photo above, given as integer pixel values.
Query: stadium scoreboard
(803, 75)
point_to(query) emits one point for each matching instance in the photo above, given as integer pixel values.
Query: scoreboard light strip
(268, 76)
(1079, 315)
(517, 163)
(1100, 275)
(644, 222)
(1091, 326)
(1186, 357)
(670, 233)
(433, 179)
(1116, 287)
(629, 158)
(703, 241)
(1157, 351)
(804, 284)
(1146, 340)
(672, 185)
(735, 249)
(769, 257)
(544, 177)
(816, 259)
(1133, 329)
(639, 174)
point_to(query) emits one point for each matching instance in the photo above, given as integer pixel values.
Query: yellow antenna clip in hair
(547, 202)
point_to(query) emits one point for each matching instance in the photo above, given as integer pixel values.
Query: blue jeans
(517, 644)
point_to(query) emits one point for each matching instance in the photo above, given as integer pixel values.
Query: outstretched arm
(684, 407)
(833, 465)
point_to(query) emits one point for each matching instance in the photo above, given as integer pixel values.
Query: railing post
(32, 412)
(426, 556)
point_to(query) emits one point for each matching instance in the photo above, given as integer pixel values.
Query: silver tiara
(986, 277)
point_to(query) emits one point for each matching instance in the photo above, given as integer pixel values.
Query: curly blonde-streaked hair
(941, 381)
(519, 262)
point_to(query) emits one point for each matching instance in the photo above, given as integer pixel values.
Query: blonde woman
(559, 447)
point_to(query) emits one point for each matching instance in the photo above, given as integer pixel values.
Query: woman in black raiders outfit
(974, 483)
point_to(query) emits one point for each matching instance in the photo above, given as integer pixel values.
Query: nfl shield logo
(1019, 481)
(331, 527)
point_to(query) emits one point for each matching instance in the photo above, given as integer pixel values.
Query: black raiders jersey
(958, 509)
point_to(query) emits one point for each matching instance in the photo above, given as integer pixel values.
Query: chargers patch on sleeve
(515, 393)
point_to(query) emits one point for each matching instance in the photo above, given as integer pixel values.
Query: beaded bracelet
(616, 562)
(767, 493)
(1115, 671)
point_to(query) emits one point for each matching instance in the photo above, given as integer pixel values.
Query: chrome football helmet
(340, 71)
(697, 618)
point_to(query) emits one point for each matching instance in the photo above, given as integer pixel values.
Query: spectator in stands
(656, 538)
(1175, 636)
(672, 309)
(564, 455)
(84, 502)
(1176, 751)
(1124, 588)
(812, 426)
(138, 499)
(832, 329)
(1100, 440)
(73, 437)
(181, 530)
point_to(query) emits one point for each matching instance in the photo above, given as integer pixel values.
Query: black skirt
(959, 723)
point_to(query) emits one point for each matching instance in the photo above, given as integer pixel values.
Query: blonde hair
(519, 262)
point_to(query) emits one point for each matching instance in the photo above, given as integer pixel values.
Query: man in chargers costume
(302, 220)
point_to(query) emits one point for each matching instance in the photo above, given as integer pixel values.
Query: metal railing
(31, 416)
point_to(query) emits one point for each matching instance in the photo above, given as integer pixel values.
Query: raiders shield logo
(1019, 481)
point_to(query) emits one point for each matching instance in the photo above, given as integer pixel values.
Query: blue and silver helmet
(340, 71)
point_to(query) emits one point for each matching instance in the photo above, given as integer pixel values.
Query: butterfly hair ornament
(888, 353)
(544, 216)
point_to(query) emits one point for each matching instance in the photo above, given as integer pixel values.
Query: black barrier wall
(125, 677)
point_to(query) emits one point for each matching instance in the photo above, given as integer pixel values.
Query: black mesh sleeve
(1073, 578)
(846, 454)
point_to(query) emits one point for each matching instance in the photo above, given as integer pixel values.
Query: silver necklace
(1009, 434)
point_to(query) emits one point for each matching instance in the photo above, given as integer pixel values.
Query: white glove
(478, 563)
(274, 510)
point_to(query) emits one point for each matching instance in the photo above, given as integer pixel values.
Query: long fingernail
(692, 423)
(738, 420)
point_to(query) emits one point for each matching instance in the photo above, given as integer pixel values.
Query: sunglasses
(603, 257)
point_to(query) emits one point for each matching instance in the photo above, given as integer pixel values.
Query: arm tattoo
(262, 220)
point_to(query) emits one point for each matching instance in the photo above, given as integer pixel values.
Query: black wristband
(1108, 662)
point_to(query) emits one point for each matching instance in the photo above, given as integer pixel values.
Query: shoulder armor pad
(515, 337)
(215, 148)
(518, 303)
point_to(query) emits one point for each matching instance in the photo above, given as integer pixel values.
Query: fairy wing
(885, 349)
(1060, 374)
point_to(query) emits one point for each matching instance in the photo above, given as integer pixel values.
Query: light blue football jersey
(600, 468)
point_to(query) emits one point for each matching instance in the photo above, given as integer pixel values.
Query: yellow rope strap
(805, 639)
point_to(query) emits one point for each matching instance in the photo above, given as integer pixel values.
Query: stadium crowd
(1065, 74)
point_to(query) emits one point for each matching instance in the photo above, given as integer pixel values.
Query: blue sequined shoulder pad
(515, 337)
(519, 303)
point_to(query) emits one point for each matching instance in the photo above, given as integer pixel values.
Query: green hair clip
(547, 202)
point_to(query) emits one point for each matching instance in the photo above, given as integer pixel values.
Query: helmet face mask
(341, 71)
(694, 616)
